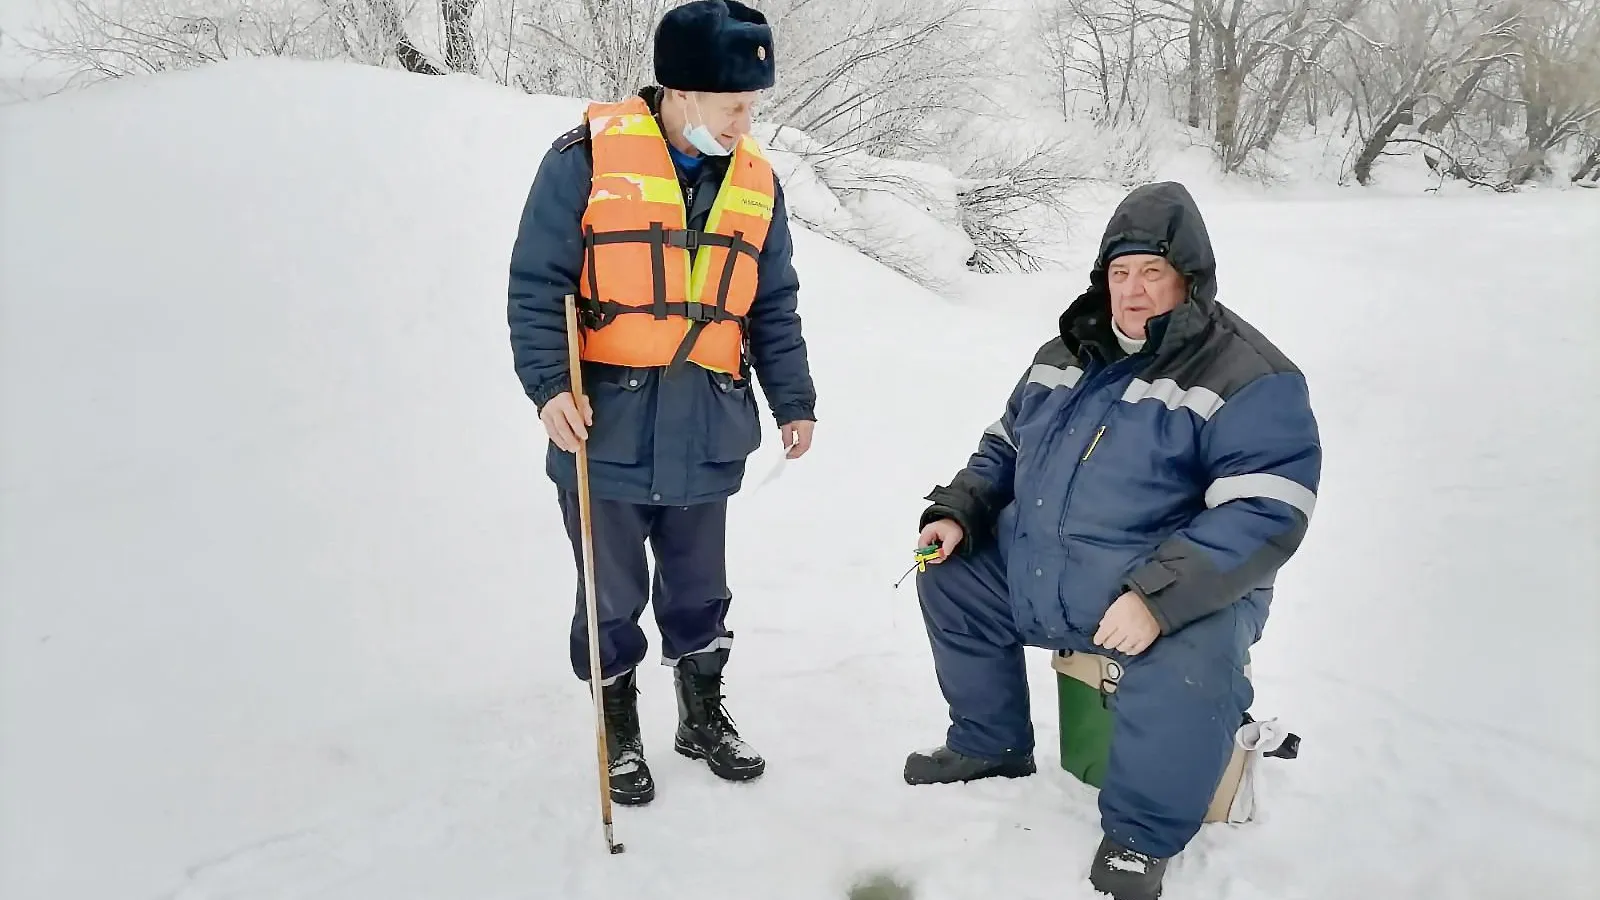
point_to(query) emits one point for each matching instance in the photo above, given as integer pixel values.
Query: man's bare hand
(946, 533)
(562, 422)
(1128, 626)
(797, 437)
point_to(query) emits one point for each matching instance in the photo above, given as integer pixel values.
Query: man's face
(1142, 287)
(727, 116)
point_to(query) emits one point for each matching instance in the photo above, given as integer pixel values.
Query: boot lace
(708, 692)
(622, 714)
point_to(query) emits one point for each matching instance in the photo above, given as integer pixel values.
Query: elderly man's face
(727, 116)
(1142, 287)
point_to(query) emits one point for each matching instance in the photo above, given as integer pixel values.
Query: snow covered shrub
(1585, 169)
(809, 199)
(865, 80)
(1122, 153)
(873, 75)
(97, 39)
(1012, 206)
(578, 48)
(909, 214)
(906, 215)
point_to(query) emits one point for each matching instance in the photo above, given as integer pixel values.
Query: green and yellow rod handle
(923, 556)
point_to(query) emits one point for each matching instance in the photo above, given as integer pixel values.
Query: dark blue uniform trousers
(1176, 706)
(688, 590)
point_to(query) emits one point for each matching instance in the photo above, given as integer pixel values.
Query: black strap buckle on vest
(685, 239)
(720, 311)
(659, 237)
(589, 242)
(658, 269)
(604, 312)
(677, 238)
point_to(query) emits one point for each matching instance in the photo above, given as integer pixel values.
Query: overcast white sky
(18, 13)
(17, 17)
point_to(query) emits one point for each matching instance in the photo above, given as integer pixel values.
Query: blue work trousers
(1176, 707)
(688, 589)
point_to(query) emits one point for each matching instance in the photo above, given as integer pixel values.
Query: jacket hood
(1163, 214)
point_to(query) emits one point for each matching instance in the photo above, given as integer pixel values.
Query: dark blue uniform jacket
(1186, 472)
(662, 439)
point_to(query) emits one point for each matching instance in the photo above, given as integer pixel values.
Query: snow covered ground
(284, 596)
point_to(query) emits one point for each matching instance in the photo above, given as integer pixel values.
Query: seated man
(1154, 467)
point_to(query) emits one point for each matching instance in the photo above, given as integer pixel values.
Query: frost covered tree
(1104, 51)
(1491, 92)
(598, 49)
(97, 39)
(1452, 78)
(871, 80)
(115, 38)
(1557, 71)
(1411, 62)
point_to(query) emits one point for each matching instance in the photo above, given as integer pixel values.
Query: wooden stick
(585, 517)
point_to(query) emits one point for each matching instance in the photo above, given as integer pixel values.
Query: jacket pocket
(733, 427)
(622, 428)
(1005, 527)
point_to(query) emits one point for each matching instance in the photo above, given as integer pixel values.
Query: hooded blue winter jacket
(658, 439)
(1186, 472)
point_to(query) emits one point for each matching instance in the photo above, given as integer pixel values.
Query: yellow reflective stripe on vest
(741, 200)
(625, 123)
(650, 188)
(697, 276)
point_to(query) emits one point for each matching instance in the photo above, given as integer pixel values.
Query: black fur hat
(714, 46)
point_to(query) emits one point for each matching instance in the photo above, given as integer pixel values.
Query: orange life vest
(655, 293)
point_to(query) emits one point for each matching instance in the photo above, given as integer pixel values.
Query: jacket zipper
(1093, 443)
(1072, 484)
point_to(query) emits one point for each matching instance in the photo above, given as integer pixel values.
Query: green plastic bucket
(1084, 683)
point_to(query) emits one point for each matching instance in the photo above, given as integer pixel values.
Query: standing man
(1154, 467)
(663, 216)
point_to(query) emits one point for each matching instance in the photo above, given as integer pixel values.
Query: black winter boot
(1126, 874)
(704, 729)
(631, 784)
(946, 766)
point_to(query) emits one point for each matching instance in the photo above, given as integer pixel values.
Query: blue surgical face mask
(699, 136)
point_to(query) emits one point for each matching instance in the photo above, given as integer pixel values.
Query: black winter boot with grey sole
(946, 766)
(631, 782)
(1126, 874)
(705, 731)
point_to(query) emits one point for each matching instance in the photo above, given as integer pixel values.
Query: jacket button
(633, 382)
(1038, 573)
(655, 496)
(1039, 502)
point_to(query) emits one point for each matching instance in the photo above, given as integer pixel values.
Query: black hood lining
(1163, 214)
